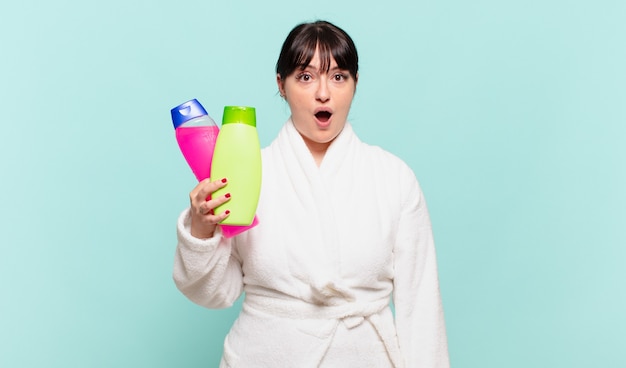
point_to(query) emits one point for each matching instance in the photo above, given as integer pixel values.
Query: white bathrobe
(334, 245)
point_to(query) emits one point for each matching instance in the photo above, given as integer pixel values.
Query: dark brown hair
(300, 45)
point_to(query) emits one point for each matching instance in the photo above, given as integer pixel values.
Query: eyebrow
(315, 67)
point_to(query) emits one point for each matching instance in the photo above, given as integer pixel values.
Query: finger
(205, 209)
(209, 187)
(223, 215)
(203, 190)
(211, 204)
(214, 219)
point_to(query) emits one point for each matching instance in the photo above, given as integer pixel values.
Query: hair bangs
(330, 41)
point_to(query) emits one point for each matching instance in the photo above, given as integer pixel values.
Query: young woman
(344, 230)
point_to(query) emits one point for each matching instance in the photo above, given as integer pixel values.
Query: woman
(343, 228)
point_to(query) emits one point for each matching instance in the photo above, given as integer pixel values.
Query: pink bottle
(196, 134)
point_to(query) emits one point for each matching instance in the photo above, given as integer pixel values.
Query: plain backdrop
(511, 113)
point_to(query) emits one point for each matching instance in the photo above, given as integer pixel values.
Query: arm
(419, 312)
(207, 271)
(206, 268)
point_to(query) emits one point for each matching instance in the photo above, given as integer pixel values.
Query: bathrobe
(334, 246)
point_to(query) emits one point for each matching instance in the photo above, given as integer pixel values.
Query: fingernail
(227, 212)
(224, 180)
(227, 195)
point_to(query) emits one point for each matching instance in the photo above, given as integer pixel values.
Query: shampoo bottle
(237, 157)
(196, 134)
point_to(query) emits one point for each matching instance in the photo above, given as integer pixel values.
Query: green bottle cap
(239, 114)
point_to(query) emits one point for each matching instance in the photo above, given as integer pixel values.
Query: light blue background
(512, 114)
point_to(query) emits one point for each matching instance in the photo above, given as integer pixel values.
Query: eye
(340, 77)
(304, 77)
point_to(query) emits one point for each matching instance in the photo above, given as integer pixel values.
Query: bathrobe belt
(330, 302)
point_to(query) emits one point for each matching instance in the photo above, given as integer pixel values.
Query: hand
(203, 221)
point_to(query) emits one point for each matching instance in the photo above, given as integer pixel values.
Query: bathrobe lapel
(315, 187)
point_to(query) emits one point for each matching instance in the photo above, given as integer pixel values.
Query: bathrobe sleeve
(207, 271)
(420, 322)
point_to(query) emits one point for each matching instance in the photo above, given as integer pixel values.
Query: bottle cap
(187, 111)
(239, 114)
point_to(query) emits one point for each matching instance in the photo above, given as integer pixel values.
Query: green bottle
(237, 157)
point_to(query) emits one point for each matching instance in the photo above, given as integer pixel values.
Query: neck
(318, 150)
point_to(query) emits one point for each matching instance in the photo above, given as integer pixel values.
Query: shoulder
(386, 161)
(394, 174)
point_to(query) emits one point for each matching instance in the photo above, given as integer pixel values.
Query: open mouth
(323, 116)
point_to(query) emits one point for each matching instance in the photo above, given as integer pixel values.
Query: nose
(323, 93)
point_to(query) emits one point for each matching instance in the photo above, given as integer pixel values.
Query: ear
(356, 81)
(281, 85)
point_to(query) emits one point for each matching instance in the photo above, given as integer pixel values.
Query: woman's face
(319, 101)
